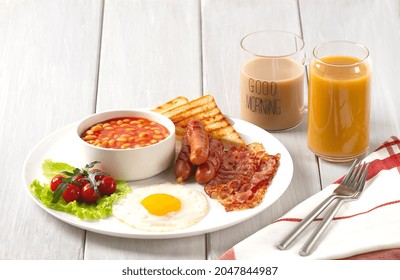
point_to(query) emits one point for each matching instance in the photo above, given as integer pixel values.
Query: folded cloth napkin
(368, 228)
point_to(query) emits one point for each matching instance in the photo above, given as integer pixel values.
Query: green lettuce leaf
(51, 168)
(84, 211)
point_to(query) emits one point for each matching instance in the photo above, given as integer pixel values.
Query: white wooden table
(63, 60)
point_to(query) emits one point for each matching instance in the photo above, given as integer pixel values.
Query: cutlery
(346, 189)
(358, 183)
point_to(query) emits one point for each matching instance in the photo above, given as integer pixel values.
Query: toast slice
(180, 100)
(205, 109)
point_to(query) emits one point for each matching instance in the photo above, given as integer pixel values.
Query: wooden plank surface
(48, 72)
(150, 54)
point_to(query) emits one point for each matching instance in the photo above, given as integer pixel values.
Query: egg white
(129, 209)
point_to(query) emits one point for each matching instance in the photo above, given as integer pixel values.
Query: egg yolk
(160, 204)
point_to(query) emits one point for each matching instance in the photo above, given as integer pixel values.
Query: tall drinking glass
(339, 101)
(272, 79)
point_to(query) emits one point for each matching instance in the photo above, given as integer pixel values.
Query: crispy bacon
(243, 178)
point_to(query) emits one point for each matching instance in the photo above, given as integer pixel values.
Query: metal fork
(347, 189)
(359, 184)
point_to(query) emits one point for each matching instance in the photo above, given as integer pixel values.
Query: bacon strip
(243, 178)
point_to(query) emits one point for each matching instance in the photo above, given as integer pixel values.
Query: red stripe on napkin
(298, 220)
(378, 165)
(396, 141)
(295, 220)
(228, 255)
(365, 212)
(388, 254)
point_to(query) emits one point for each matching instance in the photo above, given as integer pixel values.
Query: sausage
(198, 141)
(183, 167)
(207, 171)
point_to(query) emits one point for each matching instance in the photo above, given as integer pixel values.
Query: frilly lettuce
(84, 211)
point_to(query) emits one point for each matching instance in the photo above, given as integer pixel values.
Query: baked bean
(125, 133)
(90, 137)
(96, 128)
(144, 134)
(126, 146)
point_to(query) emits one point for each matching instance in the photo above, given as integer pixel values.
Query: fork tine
(363, 178)
(350, 172)
(358, 173)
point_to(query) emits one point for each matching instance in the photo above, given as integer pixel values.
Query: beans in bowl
(125, 133)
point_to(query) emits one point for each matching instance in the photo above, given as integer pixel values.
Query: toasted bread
(205, 109)
(171, 104)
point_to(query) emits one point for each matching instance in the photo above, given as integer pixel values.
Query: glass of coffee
(272, 79)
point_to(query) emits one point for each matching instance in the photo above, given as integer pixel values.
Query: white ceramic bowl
(135, 163)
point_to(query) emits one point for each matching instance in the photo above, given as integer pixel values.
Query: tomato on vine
(107, 185)
(89, 194)
(56, 181)
(71, 193)
(86, 184)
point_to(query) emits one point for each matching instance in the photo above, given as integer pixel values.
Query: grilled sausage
(207, 171)
(198, 141)
(183, 167)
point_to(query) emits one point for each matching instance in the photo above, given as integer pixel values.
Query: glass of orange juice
(339, 101)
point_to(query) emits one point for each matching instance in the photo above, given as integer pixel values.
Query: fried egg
(164, 207)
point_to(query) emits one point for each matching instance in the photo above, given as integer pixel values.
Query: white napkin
(368, 228)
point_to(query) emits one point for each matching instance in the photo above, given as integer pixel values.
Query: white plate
(62, 146)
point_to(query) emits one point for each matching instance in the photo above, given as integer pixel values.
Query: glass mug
(339, 101)
(272, 79)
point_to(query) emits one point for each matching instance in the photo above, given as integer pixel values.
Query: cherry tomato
(98, 177)
(80, 179)
(71, 193)
(88, 194)
(56, 181)
(107, 185)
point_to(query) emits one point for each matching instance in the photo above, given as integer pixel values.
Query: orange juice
(339, 107)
